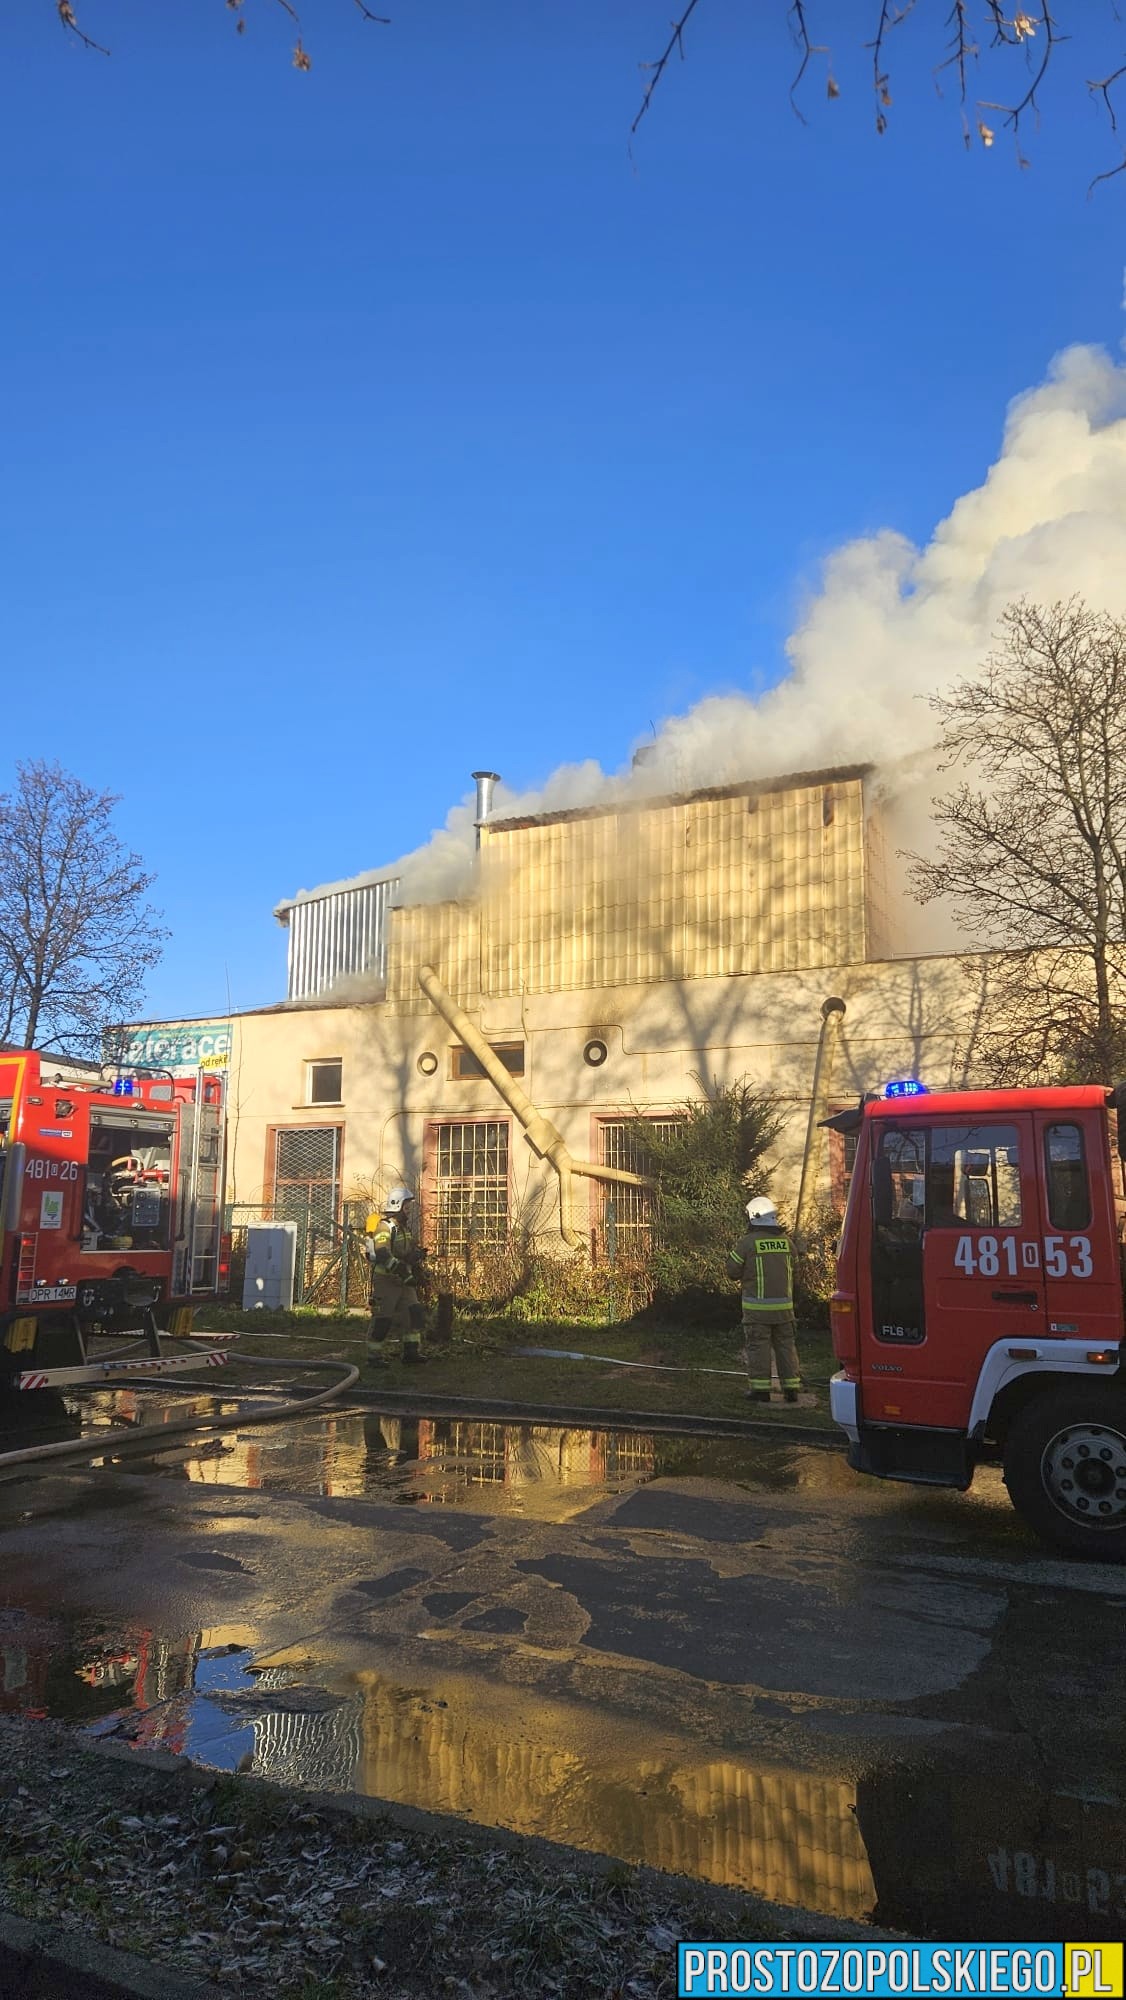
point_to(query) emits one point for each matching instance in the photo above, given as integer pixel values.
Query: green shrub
(705, 1171)
(815, 1266)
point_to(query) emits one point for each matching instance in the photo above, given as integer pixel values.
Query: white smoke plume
(889, 625)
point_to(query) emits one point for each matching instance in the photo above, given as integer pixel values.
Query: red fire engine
(979, 1303)
(110, 1217)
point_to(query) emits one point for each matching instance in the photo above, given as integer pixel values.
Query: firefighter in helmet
(394, 1256)
(762, 1264)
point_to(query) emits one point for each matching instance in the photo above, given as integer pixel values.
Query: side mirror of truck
(1116, 1100)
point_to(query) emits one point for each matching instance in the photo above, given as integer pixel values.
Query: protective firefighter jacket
(763, 1263)
(390, 1246)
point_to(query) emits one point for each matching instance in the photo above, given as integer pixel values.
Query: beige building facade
(612, 960)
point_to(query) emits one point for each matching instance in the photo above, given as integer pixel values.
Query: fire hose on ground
(105, 1443)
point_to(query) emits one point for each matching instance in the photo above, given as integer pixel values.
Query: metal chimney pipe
(484, 781)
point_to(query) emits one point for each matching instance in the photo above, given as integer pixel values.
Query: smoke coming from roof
(889, 625)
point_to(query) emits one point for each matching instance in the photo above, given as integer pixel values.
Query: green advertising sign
(179, 1046)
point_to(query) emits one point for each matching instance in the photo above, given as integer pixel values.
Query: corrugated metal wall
(878, 898)
(446, 936)
(697, 888)
(336, 935)
(704, 887)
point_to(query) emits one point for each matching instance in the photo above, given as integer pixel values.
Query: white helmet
(762, 1209)
(397, 1200)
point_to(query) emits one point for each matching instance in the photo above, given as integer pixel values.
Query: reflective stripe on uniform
(763, 1261)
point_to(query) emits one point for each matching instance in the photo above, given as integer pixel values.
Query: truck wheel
(1065, 1468)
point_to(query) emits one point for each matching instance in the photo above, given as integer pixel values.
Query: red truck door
(1083, 1296)
(954, 1261)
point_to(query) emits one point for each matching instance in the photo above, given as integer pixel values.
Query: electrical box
(271, 1260)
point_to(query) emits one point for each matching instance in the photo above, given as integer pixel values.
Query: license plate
(44, 1295)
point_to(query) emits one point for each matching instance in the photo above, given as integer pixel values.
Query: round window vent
(595, 1054)
(427, 1062)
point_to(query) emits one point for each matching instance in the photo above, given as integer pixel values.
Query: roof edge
(746, 788)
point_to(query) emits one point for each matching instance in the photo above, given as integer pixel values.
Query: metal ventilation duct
(486, 783)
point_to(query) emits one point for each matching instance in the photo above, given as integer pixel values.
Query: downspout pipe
(832, 1014)
(543, 1135)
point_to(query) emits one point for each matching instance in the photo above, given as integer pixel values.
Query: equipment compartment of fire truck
(979, 1304)
(110, 1218)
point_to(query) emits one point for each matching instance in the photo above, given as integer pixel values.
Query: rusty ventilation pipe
(545, 1137)
(832, 1014)
(486, 783)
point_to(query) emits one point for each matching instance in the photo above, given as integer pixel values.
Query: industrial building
(606, 962)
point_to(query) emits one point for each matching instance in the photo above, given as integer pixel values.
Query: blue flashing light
(123, 1086)
(907, 1086)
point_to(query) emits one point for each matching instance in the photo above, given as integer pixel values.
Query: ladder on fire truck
(199, 1213)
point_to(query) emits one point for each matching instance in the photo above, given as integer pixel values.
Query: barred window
(627, 1212)
(470, 1192)
(307, 1175)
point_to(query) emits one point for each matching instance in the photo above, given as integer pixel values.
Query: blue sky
(367, 426)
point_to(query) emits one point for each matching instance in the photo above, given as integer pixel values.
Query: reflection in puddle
(919, 1846)
(513, 1468)
(490, 1754)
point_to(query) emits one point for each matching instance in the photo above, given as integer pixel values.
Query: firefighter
(762, 1262)
(394, 1257)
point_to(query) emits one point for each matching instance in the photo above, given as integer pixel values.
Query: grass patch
(482, 1361)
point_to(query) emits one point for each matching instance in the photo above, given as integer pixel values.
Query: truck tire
(1065, 1468)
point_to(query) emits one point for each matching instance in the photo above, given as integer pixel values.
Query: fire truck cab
(110, 1214)
(979, 1303)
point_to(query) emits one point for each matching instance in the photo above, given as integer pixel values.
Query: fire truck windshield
(127, 1202)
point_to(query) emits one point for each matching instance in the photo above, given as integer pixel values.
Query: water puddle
(927, 1829)
(920, 1847)
(492, 1467)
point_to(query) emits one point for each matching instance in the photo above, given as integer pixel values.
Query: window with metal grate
(307, 1175)
(470, 1168)
(627, 1212)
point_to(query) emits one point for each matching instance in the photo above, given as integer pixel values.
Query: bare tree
(1032, 844)
(76, 936)
(1019, 48)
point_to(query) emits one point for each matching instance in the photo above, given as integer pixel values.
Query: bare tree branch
(890, 19)
(960, 48)
(69, 20)
(1102, 88)
(656, 70)
(1030, 34)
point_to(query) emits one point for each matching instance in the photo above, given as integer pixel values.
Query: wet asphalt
(737, 1660)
